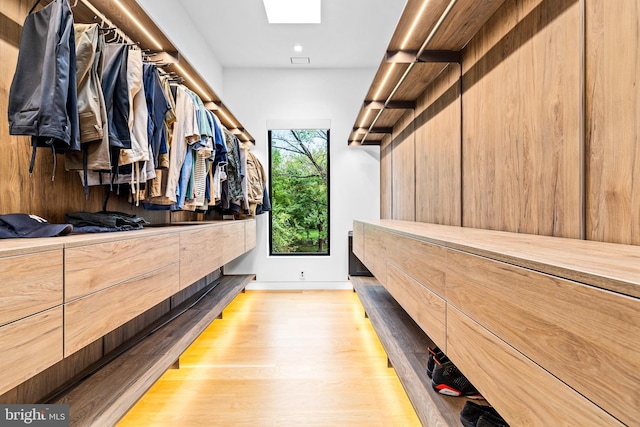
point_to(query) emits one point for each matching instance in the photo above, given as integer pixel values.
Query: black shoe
(448, 380)
(434, 353)
(488, 420)
(472, 412)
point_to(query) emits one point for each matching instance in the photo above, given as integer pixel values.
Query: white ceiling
(353, 33)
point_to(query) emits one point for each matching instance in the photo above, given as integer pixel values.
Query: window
(299, 189)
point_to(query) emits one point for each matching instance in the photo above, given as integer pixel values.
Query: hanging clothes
(94, 137)
(42, 98)
(116, 95)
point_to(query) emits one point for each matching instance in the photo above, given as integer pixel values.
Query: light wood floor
(281, 359)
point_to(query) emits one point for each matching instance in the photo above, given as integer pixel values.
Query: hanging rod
(106, 20)
(432, 34)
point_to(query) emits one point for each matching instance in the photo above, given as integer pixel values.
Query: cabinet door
(29, 284)
(523, 392)
(29, 346)
(572, 330)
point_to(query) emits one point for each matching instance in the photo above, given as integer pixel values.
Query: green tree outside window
(299, 165)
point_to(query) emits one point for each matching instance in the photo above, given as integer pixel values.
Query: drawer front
(523, 392)
(358, 240)
(424, 262)
(250, 234)
(89, 318)
(572, 330)
(29, 284)
(200, 253)
(29, 346)
(94, 267)
(427, 309)
(375, 254)
(232, 241)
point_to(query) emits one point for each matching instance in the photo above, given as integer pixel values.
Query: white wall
(180, 29)
(260, 95)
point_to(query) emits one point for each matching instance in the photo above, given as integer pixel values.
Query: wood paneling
(576, 332)
(438, 151)
(91, 317)
(404, 174)
(426, 308)
(29, 346)
(386, 179)
(29, 284)
(535, 398)
(423, 262)
(94, 267)
(613, 129)
(521, 112)
(375, 252)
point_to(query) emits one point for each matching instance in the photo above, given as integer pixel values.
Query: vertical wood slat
(521, 122)
(613, 128)
(437, 160)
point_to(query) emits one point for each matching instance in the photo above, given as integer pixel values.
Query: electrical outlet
(302, 275)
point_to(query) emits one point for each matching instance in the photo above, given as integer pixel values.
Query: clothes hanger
(34, 6)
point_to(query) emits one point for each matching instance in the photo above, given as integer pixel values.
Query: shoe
(488, 420)
(448, 380)
(472, 412)
(434, 353)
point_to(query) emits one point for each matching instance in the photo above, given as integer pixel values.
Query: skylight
(292, 11)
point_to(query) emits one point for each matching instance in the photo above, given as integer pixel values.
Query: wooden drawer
(250, 234)
(29, 346)
(585, 336)
(232, 244)
(200, 253)
(87, 319)
(523, 393)
(375, 254)
(94, 267)
(358, 239)
(29, 284)
(427, 309)
(424, 262)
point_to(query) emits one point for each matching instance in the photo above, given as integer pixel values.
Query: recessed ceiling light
(292, 11)
(297, 47)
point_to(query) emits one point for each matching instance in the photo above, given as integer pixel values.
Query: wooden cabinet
(95, 266)
(106, 279)
(538, 324)
(89, 318)
(31, 285)
(29, 346)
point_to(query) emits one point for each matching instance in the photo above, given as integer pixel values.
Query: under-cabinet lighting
(133, 18)
(376, 97)
(413, 25)
(297, 47)
(231, 122)
(364, 119)
(203, 93)
(293, 11)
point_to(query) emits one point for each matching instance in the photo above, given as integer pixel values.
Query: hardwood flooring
(306, 358)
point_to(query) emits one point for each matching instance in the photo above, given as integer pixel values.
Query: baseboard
(299, 286)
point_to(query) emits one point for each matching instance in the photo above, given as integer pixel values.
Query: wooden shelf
(111, 10)
(407, 81)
